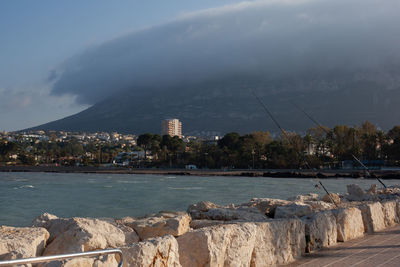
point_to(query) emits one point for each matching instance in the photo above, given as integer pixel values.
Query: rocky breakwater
(261, 232)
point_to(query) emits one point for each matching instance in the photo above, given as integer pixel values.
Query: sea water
(24, 196)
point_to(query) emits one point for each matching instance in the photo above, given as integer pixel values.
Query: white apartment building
(172, 127)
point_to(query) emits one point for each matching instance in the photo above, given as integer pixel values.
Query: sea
(26, 195)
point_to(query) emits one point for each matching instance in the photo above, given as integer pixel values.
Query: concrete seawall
(261, 232)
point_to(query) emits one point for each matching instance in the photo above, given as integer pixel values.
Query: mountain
(225, 105)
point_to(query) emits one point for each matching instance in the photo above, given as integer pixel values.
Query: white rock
(243, 244)
(176, 224)
(202, 206)
(390, 212)
(22, 242)
(156, 252)
(321, 230)
(373, 190)
(267, 205)
(333, 196)
(320, 205)
(223, 245)
(302, 198)
(349, 224)
(279, 242)
(356, 193)
(196, 224)
(231, 214)
(373, 217)
(293, 210)
(86, 234)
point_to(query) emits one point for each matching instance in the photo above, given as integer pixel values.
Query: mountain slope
(227, 105)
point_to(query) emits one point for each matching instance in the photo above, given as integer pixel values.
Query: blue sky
(37, 36)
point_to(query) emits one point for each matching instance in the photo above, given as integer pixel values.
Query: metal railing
(64, 256)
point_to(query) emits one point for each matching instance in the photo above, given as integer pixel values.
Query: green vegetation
(318, 148)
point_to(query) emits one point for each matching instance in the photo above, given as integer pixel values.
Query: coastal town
(318, 147)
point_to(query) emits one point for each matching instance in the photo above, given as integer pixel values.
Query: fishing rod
(287, 137)
(327, 132)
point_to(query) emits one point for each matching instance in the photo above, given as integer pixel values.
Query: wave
(185, 188)
(25, 186)
(131, 182)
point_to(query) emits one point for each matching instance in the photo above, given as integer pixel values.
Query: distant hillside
(225, 106)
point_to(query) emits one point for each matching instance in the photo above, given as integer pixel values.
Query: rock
(196, 224)
(243, 244)
(320, 205)
(43, 219)
(373, 217)
(156, 252)
(175, 223)
(202, 206)
(242, 213)
(373, 190)
(335, 197)
(293, 210)
(223, 245)
(320, 230)
(356, 193)
(231, 214)
(390, 212)
(267, 205)
(279, 242)
(86, 234)
(349, 223)
(307, 197)
(22, 242)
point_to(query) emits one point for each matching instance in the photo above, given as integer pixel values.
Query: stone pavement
(378, 249)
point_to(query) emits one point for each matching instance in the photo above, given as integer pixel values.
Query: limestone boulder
(223, 245)
(171, 223)
(280, 241)
(320, 230)
(373, 189)
(243, 244)
(389, 209)
(332, 196)
(320, 205)
(349, 223)
(241, 213)
(373, 217)
(155, 252)
(306, 197)
(293, 210)
(202, 206)
(196, 224)
(267, 205)
(86, 234)
(22, 242)
(398, 209)
(356, 193)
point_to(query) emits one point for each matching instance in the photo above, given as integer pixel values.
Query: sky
(37, 37)
(59, 57)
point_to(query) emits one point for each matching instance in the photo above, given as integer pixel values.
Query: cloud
(296, 39)
(30, 106)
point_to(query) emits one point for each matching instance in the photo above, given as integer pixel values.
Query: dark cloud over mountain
(289, 45)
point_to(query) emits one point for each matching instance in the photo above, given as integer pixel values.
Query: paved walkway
(378, 249)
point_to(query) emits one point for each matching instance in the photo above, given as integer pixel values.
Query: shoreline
(260, 232)
(272, 173)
